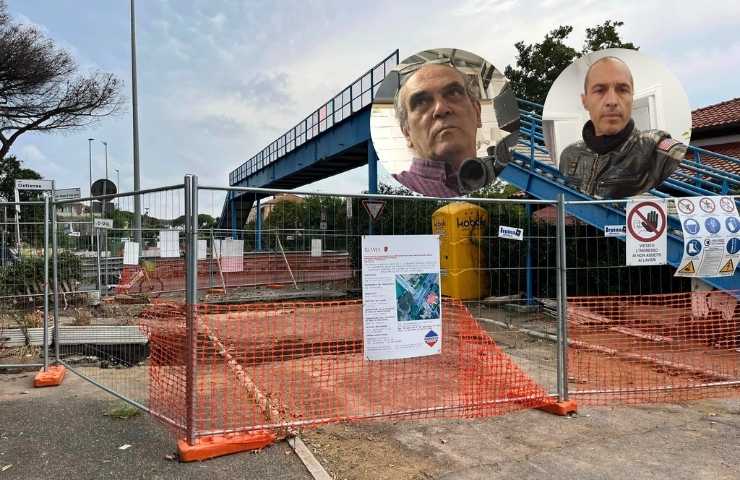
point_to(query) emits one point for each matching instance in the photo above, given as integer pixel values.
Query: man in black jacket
(614, 159)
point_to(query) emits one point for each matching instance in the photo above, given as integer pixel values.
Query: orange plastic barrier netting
(279, 366)
(650, 348)
(165, 274)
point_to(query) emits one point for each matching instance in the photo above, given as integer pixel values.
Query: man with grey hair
(439, 111)
(614, 159)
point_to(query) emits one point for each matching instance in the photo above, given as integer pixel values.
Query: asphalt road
(64, 432)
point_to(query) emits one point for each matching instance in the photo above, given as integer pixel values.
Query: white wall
(564, 116)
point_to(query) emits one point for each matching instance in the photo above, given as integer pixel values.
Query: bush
(30, 271)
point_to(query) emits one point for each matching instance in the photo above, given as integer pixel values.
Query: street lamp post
(106, 158)
(92, 217)
(135, 102)
(118, 188)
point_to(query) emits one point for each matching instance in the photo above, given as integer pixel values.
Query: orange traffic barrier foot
(216, 290)
(219, 445)
(52, 377)
(275, 285)
(560, 408)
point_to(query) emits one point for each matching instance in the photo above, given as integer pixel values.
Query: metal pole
(47, 201)
(258, 228)
(118, 188)
(372, 176)
(100, 283)
(134, 98)
(530, 275)
(106, 260)
(55, 256)
(232, 205)
(106, 159)
(92, 215)
(531, 140)
(191, 298)
(562, 290)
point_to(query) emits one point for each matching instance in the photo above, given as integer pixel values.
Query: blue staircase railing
(352, 99)
(694, 176)
(541, 179)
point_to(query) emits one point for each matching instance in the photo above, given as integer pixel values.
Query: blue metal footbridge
(336, 138)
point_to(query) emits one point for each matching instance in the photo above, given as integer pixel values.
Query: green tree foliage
(205, 221)
(539, 64)
(605, 36)
(11, 169)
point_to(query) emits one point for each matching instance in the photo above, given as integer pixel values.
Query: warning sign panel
(688, 268)
(646, 233)
(728, 268)
(711, 236)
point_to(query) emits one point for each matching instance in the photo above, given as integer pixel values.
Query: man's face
(442, 118)
(608, 96)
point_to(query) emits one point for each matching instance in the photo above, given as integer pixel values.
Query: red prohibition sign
(685, 206)
(707, 204)
(727, 204)
(661, 222)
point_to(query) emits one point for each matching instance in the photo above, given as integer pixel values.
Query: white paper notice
(202, 249)
(232, 259)
(217, 248)
(169, 244)
(711, 236)
(130, 253)
(401, 297)
(315, 247)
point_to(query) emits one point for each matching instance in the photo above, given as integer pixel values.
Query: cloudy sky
(220, 79)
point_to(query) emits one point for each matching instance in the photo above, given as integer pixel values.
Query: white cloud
(219, 80)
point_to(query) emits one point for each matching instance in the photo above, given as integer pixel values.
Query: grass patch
(122, 410)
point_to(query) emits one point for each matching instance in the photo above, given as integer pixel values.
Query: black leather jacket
(642, 162)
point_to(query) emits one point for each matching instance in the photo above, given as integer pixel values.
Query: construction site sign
(711, 236)
(401, 297)
(646, 233)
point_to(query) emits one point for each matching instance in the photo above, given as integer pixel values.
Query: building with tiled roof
(717, 128)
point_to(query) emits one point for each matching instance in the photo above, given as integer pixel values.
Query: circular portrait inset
(444, 122)
(616, 123)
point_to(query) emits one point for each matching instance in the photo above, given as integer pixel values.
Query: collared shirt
(431, 178)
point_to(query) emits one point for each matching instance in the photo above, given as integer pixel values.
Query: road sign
(374, 207)
(103, 223)
(34, 184)
(67, 194)
(103, 187)
(646, 233)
